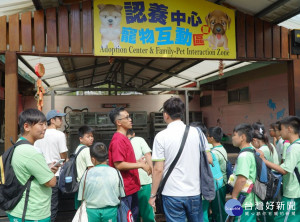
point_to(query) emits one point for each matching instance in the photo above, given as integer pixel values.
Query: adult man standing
(142, 150)
(53, 146)
(181, 194)
(121, 156)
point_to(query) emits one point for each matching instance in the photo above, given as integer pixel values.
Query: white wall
(149, 103)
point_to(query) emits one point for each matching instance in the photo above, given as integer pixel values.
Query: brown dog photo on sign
(218, 21)
(110, 29)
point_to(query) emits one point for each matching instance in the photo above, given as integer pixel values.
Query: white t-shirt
(185, 177)
(53, 143)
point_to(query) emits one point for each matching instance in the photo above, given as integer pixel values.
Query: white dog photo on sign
(110, 29)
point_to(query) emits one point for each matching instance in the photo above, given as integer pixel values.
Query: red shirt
(121, 150)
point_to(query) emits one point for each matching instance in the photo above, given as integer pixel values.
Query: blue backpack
(267, 184)
(216, 172)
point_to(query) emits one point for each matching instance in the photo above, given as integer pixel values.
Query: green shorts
(17, 219)
(107, 214)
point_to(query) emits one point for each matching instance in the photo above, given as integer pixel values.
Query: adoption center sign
(164, 28)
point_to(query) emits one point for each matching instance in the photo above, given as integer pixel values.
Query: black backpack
(11, 190)
(69, 169)
(267, 184)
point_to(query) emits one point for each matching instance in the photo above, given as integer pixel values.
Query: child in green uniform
(245, 168)
(260, 141)
(27, 162)
(214, 137)
(281, 144)
(289, 209)
(83, 160)
(103, 187)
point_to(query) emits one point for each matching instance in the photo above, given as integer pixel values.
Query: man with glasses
(121, 156)
(53, 147)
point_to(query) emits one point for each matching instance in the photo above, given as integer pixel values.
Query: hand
(152, 203)
(261, 154)
(52, 168)
(142, 160)
(145, 167)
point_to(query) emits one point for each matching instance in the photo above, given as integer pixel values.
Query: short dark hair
(216, 133)
(245, 129)
(99, 152)
(292, 121)
(84, 130)
(274, 125)
(130, 132)
(201, 126)
(174, 107)
(32, 117)
(114, 113)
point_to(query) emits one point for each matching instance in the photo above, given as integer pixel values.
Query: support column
(187, 110)
(11, 97)
(52, 99)
(294, 87)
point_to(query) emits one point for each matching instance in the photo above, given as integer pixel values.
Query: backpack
(216, 172)
(229, 171)
(268, 183)
(11, 190)
(69, 169)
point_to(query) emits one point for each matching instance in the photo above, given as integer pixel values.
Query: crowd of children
(101, 182)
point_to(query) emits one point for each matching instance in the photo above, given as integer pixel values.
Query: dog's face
(218, 21)
(110, 15)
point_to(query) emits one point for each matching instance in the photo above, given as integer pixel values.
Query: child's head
(215, 134)
(130, 133)
(242, 134)
(289, 126)
(273, 129)
(85, 134)
(260, 136)
(201, 126)
(32, 122)
(98, 153)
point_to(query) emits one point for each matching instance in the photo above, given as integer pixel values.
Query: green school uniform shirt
(272, 157)
(284, 148)
(291, 186)
(27, 162)
(140, 148)
(102, 187)
(216, 150)
(246, 166)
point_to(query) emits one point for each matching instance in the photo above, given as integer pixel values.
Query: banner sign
(164, 28)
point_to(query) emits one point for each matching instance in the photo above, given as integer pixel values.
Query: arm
(51, 183)
(156, 178)
(121, 165)
(64, 155)
(149, 160)
(271, 165)
(209, 157)
(239, 184)
(274, 166)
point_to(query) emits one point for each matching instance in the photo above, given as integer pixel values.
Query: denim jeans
(177, 209)
(132, 203)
